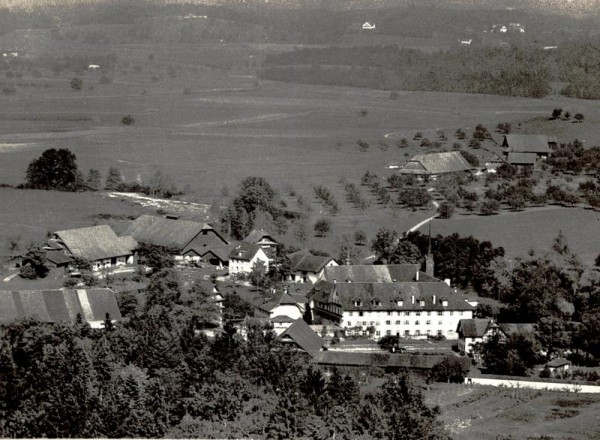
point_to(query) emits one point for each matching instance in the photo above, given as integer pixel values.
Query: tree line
(58, 170)
(513, 71)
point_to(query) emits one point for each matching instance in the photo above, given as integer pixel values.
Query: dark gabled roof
(372, 273)
(58, 257)
(59, 305)
(257, 235)
(527, 143)
(304, 261)
(383, 359)
(473, 328)
(301, 333)
(511, 329)
(495, 158)
(437, 163)
(221, 252)
(166, 232)
(279, 299)
(96, 242)
(244, 251)
(362, 296)
(521, 158)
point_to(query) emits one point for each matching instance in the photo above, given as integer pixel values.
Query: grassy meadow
(480, 412)
(520, 232)
(203, 118)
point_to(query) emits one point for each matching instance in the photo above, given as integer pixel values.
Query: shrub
(76, 83)
(127, 120)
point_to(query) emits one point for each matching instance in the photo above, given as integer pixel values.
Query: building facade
(406, 309)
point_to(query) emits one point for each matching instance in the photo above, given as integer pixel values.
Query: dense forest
(501, 71)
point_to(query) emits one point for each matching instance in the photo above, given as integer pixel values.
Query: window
(388, 333)
(451, 313)
(440, 313)
(418, 313)
(418, 332)
(389, 313)
(460, 313)
(406, 313)
(388, 322)
(364, 323)
(400, 303)
(360, 313)
(428, 331)
(407, 322)
(428, 322)
(428, 313)
(376, 302)
(357, 302)
(406, 333)
(422, 303)
(450, 332)
(397, 322)
(417, 322)
(439, 333)
(378, 333)
(349, 313)
(440, 322)
(445, 303)
(399, 313)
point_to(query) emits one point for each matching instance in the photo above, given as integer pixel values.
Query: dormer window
(445, 303)
(376, 302)
(422, 303)
(400, 303)
(357, 303)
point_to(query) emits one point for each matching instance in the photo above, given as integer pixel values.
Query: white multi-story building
(408, 309)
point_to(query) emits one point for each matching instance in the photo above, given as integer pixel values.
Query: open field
(518, 232)
(228, 125)
(481, 412)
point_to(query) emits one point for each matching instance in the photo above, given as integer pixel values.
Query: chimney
(413, 299)
(417, 275)
(334, 281)
(285, 289)
(434, 299)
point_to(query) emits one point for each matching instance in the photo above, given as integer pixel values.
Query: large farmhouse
(428, 165)
(180, 235)
(408, 309)
(61, 305)
(530, 144)
(97, 244)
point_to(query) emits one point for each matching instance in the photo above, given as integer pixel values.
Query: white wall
(417, 324)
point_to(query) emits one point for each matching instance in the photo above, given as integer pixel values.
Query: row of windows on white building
(398, 313)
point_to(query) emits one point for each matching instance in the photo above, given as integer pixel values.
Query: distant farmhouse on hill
(526, 149)
(368, 26)
(434, 164)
